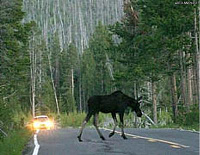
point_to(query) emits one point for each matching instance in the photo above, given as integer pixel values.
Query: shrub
(192, 117)
(75, 119)
(15, 142)
(72, 119)
(164, 118)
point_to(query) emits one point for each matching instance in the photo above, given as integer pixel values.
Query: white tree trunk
(33, 71)
(154, 100)
(72, 84)
(80, 99)
(32, 56)
(197, 43)
(54, 89)
(198, 56)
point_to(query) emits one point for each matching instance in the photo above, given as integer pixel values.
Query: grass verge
(15, 142)
(193, 127)
(75, 119)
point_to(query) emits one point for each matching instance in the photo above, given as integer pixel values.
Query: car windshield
(41, 119)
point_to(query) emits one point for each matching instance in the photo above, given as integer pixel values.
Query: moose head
(135, 106)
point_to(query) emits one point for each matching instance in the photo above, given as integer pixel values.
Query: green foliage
(152, 39)
(14, 144)
(70, 106)
(14, 41)
(68, 65)
(48, 101)
(185, 120)
(189, 118)
(94, 72)
(14, 64)
(75, 119)
(170, 18)
(72, 119)
(151, 43)
(164, 118)
(72, 57)
(5, 117)
(88, 70)
(192, 118)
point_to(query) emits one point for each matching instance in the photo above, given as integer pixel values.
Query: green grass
(75, 119)
(194, 127)
(72, 119)
(15, 142)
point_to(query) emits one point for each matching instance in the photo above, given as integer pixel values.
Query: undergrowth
(75, 119)
(15, 142)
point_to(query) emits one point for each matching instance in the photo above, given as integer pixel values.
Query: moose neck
(131, 102)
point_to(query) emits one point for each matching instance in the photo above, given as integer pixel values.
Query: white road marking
(37, 146)
(151, 139)
(175, 146)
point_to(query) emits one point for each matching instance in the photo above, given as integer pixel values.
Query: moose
(117, 102)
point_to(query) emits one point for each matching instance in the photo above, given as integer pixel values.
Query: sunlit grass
(15, 143)
(75, 119)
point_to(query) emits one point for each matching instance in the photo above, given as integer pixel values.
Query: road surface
(139, 142)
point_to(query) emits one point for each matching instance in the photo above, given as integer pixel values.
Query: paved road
(140, 142)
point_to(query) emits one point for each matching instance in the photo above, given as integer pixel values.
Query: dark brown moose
(117, 102)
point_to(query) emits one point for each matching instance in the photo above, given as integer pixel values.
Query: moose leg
(96, 126)
(87, 118)
(121, 116)
(115, 122)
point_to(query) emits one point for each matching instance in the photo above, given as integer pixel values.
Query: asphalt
(139, 142)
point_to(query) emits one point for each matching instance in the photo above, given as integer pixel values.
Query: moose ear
(139, 98)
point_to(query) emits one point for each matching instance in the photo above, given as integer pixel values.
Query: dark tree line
(14, 62)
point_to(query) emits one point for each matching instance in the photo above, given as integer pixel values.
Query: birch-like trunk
(174, 95)
(33, 74)
(57, 74)
(183, 78)
(154, 100)
(54, 89)
(135, 96)
(198, 56)
(80, 86)
(40, 76)
(189, 85)
(72, 82)
(73, 20)
(197, 44)
(195, 81)
(33, 84)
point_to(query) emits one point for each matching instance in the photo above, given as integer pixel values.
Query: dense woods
(163, 53)
(54, 55)
(14, 64)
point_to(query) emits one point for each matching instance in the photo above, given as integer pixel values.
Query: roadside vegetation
(188, 121)
(14, 134)
(75, 119)
(15, 142)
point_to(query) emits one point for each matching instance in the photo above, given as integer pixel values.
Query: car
(42, 122)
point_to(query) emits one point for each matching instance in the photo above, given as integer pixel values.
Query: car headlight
(36, 124)
(49, 124)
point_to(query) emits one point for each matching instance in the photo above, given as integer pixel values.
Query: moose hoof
(111, 134)
(123, 136)
(102, 137)
(79, 139)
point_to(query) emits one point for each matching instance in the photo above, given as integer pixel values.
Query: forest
(54, 55)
